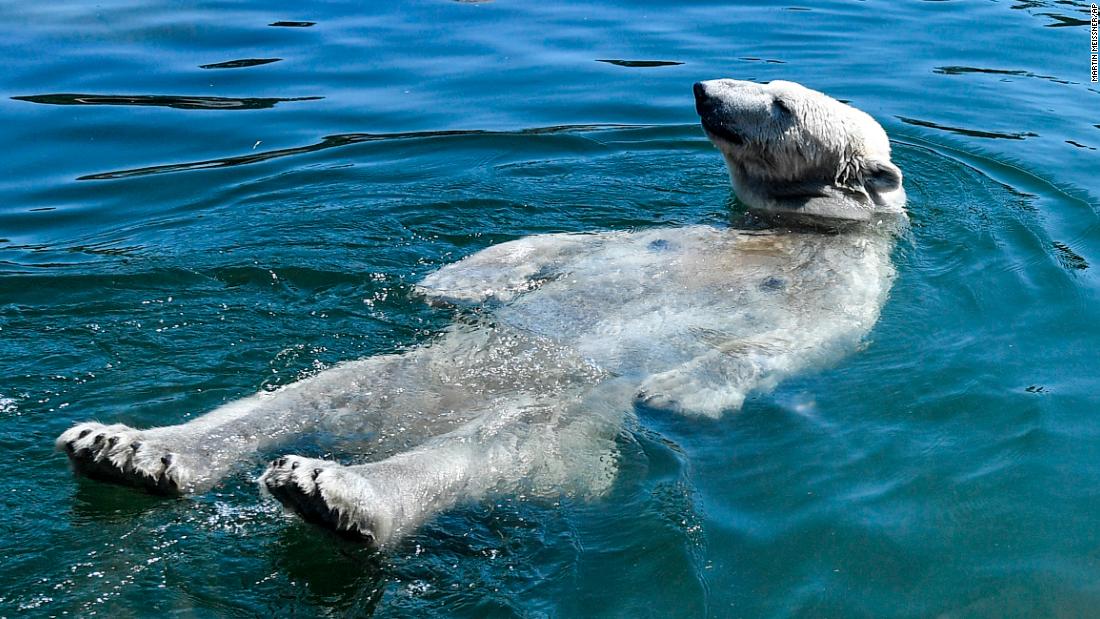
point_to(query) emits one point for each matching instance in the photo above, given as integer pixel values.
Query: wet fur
(558, 339)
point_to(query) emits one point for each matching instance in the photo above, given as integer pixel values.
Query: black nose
(700, 97)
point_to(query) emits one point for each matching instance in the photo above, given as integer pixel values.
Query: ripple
(172, 101)
(240, 64)
(959, 70)
(334, 141)
(293, 24)
(970, 132)
(639, 63)
(1061, 21)
(1069, 259)
(764, 60)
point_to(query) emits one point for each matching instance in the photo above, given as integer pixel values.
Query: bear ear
(881, 176)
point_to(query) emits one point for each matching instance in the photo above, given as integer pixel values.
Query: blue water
(173, 237)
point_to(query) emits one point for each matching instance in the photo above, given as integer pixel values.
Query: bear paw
(667, 391)
(682, 393)
(120, 454)
(330, 495)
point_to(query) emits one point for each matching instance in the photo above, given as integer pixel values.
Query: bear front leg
(688, 390)
(502, 272)
(718, 381)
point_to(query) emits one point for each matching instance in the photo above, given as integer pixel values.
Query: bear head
(799, 154)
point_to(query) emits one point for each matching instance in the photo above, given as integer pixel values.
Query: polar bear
(559, 338)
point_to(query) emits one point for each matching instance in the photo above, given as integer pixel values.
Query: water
(173, 236)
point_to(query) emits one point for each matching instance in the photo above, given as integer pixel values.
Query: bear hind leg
(120, 454)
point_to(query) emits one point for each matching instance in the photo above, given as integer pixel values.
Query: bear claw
(116, 454)
(327, 495)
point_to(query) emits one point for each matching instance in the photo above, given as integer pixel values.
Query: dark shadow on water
(337, 573)
(177, 102)
(640, 63)
(293, 24)
(334, 141)
(240, 64)
(970, 132)
(96, 501)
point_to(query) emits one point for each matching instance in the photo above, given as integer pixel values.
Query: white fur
(568, 334)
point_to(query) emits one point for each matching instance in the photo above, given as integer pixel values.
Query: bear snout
(701, 98)
(709, 97)
(712, 113)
